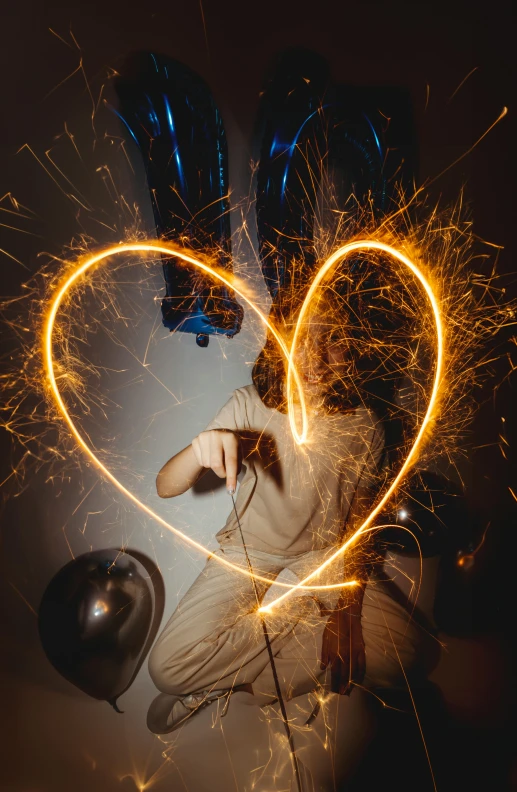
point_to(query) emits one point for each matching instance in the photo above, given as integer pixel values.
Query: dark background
(428, 49)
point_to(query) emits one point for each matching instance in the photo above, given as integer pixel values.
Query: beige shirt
(292, 498)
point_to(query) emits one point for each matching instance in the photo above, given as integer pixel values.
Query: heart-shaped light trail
(340, 255)
(88, 263)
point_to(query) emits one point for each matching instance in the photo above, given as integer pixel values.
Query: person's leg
(398, 648)
(215, 642)
(215, 637)
(297, 660)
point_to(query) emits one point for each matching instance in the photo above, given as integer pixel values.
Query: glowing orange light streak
(300, 437)
(48, 357)
(340, 254)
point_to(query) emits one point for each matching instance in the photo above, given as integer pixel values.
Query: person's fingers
(324, 652)
(216, 454)
(197, 451)
(336, 663)
(357, 671)
(344, 686)
(346, 674)
(231, 460)
(204, 448)
(335, 676)
(361, 664)
(344, 653)
(338, 676)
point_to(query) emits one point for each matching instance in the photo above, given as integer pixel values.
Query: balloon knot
(114, 704)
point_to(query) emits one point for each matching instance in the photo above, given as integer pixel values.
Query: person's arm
(343, 645)
(179, 474)
(218, 449)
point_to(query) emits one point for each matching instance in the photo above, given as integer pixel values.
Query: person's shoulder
(248, 394)
(243, 394)
(247, 391)
(251, 408)
(247, 399)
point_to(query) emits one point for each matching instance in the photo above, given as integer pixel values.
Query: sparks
(90, 262)
(340, 255)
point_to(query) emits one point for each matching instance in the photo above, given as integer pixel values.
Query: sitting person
(294, 507)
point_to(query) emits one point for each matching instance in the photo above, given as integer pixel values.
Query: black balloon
(97, 620)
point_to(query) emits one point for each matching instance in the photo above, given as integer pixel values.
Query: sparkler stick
(280, 698)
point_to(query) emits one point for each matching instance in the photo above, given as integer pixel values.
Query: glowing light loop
(88, 263)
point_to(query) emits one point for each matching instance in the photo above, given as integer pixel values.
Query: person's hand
(343, 646)
(219, 449)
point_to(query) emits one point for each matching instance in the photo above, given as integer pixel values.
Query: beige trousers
(215, 639)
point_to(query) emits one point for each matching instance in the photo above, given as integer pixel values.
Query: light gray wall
(62, 738)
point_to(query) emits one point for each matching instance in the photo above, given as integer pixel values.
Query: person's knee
(168, 671)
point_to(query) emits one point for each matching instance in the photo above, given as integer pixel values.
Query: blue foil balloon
(169, 113)
(291, 126)
(312, 130)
